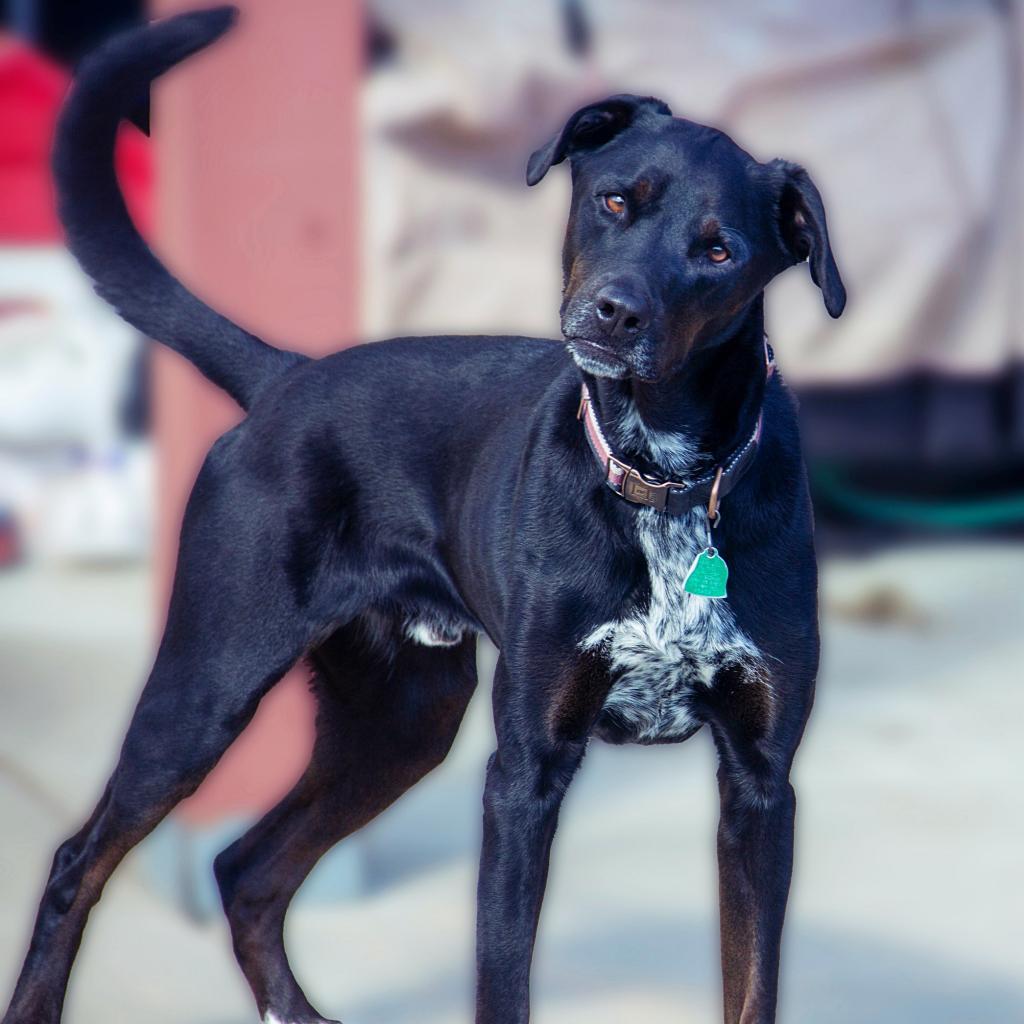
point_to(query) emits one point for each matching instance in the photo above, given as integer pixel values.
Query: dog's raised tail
(112, 82)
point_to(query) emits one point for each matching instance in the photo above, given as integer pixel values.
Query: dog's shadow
(827, 976)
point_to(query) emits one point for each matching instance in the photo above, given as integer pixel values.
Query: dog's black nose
(621, 310)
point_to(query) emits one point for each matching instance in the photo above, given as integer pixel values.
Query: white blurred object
(100, 511)
(78, 507)
(65, 356)
(79, 490)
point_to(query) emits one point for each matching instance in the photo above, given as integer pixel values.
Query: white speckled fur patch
(658, 654)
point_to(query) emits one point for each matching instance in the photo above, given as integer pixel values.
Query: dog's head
(673, 233)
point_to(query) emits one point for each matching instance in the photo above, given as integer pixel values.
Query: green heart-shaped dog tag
(708, 575)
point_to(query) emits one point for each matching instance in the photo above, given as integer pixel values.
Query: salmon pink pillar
(258, 197)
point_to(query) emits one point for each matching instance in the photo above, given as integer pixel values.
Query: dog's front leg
(526, 779)
(757, 724)
(755, 861)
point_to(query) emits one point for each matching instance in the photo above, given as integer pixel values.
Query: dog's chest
(659, 653)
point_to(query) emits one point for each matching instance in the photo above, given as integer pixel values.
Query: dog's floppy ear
(800, 218)
(590, 127)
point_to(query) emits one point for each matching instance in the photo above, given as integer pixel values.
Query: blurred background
(334, 172)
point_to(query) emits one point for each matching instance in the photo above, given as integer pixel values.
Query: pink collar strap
(676, 497)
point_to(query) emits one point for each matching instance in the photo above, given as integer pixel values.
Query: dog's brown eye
(614, 203)
(718, 253)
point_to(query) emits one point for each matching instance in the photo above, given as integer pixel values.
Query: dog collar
(676, 497)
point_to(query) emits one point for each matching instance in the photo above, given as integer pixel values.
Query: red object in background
(32, 89)
(251, 217)
(9, 549)
(257, 144)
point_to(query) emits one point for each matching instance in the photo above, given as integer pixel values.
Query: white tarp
(907, 115)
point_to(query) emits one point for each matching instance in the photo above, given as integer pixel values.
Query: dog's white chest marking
(659, 654)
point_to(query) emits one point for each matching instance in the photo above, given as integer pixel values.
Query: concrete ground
(907, 903)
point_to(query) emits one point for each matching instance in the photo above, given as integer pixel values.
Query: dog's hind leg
(389, 710)
(234, 627)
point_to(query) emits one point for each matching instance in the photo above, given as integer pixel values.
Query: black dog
(379, 508)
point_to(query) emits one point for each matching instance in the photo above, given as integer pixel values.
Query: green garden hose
(981, 513)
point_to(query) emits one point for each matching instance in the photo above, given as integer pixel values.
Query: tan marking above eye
(614, 203)
(718, 253)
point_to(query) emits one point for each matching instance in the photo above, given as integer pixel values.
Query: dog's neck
(694, 419)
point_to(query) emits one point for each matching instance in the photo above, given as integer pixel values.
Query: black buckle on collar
(642, 490)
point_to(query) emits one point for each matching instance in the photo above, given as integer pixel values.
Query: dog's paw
(271, 1018)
